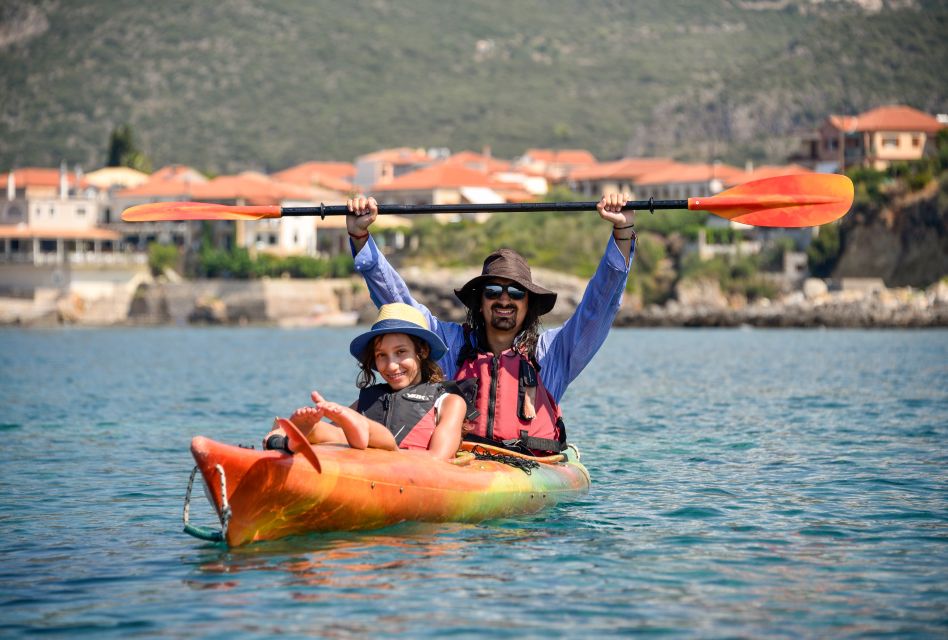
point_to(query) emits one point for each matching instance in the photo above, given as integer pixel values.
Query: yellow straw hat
(399, 317)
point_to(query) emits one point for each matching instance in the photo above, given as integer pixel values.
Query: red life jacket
(515, 409)
(408, 413)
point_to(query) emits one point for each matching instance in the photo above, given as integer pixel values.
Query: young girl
(414, 408)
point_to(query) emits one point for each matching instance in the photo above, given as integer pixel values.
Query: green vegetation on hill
(232, 85)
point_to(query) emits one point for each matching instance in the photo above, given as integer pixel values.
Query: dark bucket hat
(507, 263)
(398, 317)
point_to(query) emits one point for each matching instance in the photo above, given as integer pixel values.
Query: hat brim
(543, 300)
(437, 346)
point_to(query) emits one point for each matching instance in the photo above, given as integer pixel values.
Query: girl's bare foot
(306, 417)
(352, 423)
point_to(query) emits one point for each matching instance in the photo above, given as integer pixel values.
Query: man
(501, 344)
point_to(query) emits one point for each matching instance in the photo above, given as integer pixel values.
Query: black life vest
(408, 413)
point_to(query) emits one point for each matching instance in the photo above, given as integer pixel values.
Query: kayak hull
(272, 494)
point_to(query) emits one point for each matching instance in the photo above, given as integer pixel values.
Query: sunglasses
(494, 291)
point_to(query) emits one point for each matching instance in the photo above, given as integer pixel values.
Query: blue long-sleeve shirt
(562, 352)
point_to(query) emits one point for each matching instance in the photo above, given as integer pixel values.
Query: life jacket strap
(467, 389)
(541, 444)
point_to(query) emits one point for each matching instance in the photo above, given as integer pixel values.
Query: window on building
(916, 140)
(81, 211)
(890, 142)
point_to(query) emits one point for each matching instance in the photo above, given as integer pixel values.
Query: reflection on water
(364, 562)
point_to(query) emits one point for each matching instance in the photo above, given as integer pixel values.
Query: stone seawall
(133, 297)
(266, 301)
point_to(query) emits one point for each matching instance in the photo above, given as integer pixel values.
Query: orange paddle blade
(805, 200)
(298, 442)
(165, 211)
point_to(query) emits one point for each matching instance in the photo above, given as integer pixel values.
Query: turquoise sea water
(746, 483)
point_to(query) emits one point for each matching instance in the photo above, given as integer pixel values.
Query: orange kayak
(263, 495)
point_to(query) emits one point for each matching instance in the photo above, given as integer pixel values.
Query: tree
(124, 151)
(823, 252)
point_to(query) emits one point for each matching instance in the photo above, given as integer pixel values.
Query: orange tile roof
(172, 181)
(624, 169)
(35, 177)
(254, 188)
(400, 155)
(561, 156)
(331, 175)
(443, 174)
(677, 173)
(515, 194)
(23, 231)
(478, 162)
(888, 118)
(765, 171)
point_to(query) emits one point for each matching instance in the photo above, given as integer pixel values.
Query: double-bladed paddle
(804, 200)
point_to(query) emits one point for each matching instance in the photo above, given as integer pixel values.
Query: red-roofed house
(679, 181)
(443, 183)
(172, 183)
(618, 176)
(45, 218)
(381, 167)
(762, 172)
(554, 164)
(337, 176)
(290, 235)
(875, 139)
(512, 184)
(483, 162)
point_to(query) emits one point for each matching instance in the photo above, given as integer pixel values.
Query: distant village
(61, 229)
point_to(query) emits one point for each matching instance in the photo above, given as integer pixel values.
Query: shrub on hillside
(823, 252)
(237, 263)
(161, 257)
(739, 275)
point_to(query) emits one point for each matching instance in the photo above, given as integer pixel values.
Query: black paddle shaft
(411, 209)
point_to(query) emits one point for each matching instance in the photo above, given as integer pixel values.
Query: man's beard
(503, 323)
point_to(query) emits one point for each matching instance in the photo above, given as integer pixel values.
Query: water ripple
(746, 484)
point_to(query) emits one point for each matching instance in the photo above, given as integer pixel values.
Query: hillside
(240, 83)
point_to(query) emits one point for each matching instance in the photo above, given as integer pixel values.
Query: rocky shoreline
(301, 303)
(859, 304)
(878, 307)
(873, 312)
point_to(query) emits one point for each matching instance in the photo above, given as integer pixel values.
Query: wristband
(358, 237)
